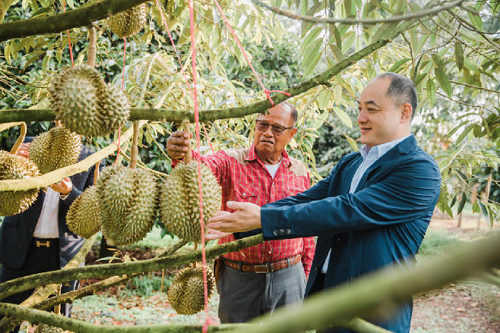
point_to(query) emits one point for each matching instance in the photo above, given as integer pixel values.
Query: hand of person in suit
(64, 187)
(24, 150)
(177, 144)
(245, 218)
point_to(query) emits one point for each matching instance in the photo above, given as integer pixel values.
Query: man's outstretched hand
(246, 217)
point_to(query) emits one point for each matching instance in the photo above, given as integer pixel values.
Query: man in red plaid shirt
(258, 279)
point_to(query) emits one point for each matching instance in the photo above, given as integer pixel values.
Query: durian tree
(449, 48)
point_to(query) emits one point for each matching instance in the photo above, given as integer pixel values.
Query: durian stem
(57, 309)
(91, 57)
(134, 150)
(189, 154)
(195, 248)
(20, 139)
(96, 172)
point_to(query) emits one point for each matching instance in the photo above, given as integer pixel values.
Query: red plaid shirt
(243, 177)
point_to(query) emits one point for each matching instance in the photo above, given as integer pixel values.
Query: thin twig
(396, 18)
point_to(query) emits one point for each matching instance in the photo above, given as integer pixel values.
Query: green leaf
(395, 68)
(343, 116)
(431, 92)
(311, 63)
(464, 134)
(456, 128)
(438, 63)
(324, 99)
(461, 204)
(310, 38)
(476, 20)
(459, 55)
(352, 143)
(443, 80)
(337, 52)
(348, 40)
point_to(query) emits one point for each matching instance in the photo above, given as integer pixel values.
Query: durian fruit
(16, 167)
(83, 214)
(44, 328)
(128, 22)
(179, 205)
(55, 149)
(85, 104)
(186, 293)
(128, 205)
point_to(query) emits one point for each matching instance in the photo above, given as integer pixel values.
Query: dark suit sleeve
(406, 194)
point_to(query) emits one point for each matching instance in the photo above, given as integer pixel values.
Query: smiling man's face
(379, 119)
(268, 145)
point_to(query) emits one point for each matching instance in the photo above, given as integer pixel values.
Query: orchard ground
(467, 306)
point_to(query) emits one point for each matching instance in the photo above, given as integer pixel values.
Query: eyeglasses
(276, 129)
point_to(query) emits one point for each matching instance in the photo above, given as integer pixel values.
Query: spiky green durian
(128, 22)
(44, 328)
(85, 104)
(16, 167)
(83, 214)
(179, 202)
(186, 293)
(55, 149)
(128, 207)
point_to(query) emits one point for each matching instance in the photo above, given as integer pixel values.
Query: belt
(46, 242)
(263, 268)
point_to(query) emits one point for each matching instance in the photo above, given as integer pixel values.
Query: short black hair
(401, 90)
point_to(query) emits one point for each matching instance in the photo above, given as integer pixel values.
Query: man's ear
(293, 131)
(406, 112)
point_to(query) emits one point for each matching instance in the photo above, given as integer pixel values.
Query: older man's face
(270, 143)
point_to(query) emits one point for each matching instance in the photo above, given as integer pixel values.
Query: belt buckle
(261, 269)
(41, 243)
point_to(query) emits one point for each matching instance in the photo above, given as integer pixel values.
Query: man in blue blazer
(371, 211)
(21, 253)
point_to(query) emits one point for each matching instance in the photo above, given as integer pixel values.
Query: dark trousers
(38, 260)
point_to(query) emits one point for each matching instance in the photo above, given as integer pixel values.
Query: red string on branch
(69, 39)
(200, 188)
(266, 91)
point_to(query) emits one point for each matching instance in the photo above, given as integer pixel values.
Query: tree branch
(367, 296)
(56, 175)
(373, 294)
(68, 20)
(396, 18)
(25, 283)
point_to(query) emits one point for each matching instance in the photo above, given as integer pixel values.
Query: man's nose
(362, 117)
(269, 131)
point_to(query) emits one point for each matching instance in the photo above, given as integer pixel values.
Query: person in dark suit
(371, 211)
(38, 240)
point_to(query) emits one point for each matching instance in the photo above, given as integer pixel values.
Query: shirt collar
(380, 149)
(252, 156)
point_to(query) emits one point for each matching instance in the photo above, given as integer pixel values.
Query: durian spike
(92, 45)
(134, 149)
(189, 156)
(20, 139)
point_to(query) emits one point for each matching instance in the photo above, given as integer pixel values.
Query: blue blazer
(383, 222)
(16, 231)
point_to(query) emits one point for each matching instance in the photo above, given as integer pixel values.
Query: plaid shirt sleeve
(308, 254)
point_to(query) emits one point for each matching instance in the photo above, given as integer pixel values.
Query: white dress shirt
(370, 156)
(48, 222)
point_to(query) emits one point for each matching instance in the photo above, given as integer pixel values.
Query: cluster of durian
(179, 202)
(55, 149)
(86, 104)
(16, 167)
(83, 217)
(128, 22)
(128, 205)
(186, 294)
